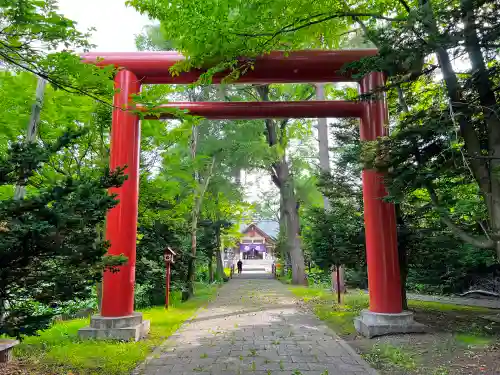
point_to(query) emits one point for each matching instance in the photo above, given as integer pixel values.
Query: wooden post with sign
(169, 259)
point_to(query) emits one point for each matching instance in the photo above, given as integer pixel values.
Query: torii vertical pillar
(118, 319)
(385, 315)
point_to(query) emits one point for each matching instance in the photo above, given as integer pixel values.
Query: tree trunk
(32, 130)
(283, 249)
(100, 235)
(462, 115)
(189, 291)
(324, 163)
(220, 275)
(198, 197)
(489, 107)
(99, 296)
(293, 239)
(211, 269)
(219, 266)
(280, 174)
(284, 260)
(402, 231)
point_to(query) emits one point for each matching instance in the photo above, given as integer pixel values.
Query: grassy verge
(457, 331)
(340, 317)
(58, 350)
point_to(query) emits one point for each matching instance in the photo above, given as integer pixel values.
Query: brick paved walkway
(254, 327)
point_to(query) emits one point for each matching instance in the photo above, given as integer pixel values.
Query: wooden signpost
(168, 256)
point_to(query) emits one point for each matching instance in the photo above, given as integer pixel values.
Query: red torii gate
(117, 319)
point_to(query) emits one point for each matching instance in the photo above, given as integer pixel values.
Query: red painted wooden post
(384, 281)
(121, 225)
(168, 256)
(167, 289)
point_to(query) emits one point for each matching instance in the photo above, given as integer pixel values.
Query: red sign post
(168, 256)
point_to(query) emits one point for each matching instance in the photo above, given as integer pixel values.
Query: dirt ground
(15, 368)
(458, 342)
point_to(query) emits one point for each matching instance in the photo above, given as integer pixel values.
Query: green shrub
(356, 278)
(142, 296)
(319, 277)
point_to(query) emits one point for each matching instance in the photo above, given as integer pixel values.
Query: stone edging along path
(452, 300)
(463, 301)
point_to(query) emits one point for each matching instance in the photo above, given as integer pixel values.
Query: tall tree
(277, 136)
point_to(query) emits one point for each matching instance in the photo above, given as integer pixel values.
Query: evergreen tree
(50, 248)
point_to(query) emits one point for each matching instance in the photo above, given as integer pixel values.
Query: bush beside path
(58, 350)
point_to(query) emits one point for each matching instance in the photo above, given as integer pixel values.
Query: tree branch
(62, 86)
(487, 244)
(405, 5)
(310, 22)
(275, 179)
(402, 99)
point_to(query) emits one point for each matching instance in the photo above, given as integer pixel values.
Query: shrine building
(257, 244)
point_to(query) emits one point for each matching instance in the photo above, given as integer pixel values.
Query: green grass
(476, 341)
(58, 350)
(438, 306)
(340, 318)
(387, 356)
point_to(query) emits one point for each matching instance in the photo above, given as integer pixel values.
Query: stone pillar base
(124, 328)
(371, 324)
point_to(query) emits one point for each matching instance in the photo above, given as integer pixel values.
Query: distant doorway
(253, 254)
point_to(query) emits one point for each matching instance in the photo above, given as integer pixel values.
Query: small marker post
(168, 256)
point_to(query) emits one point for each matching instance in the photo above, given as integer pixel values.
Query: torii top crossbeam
(277, 67)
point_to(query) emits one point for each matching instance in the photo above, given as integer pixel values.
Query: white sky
(116, 24)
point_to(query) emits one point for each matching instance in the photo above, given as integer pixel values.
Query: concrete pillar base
(123, 328)
(371, 324)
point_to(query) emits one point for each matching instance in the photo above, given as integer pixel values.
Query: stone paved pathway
(254, 327)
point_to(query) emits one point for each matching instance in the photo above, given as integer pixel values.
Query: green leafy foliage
(34, 37)
(50, 250)
(213, 32)
(335, 236)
